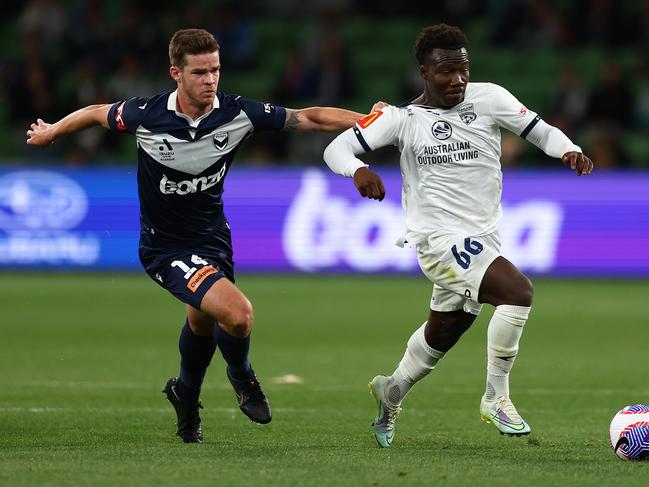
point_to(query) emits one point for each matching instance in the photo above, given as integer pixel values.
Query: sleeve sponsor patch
(264, 116)
(119, 119)
(367, 120)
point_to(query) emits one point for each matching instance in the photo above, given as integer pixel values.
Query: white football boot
(386, 416)
(503, 415)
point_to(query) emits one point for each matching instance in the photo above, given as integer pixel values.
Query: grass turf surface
(83, 358)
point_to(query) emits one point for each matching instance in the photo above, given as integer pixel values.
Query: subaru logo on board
(442, 130)
(40, 200)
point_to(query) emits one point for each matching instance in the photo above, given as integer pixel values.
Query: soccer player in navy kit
(186, 141)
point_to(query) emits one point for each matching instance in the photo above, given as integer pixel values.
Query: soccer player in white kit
(449, 139)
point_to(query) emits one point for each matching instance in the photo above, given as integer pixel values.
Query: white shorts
(456, 264)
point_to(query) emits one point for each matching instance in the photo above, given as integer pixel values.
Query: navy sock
(195, 356)
(235, 352)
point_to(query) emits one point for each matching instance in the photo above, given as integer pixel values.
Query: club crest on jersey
(466, 113)
(220, 140)
(441, 130)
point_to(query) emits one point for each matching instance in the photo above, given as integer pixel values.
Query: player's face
(446, 74)
(199, 78)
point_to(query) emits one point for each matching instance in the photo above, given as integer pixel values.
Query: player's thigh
(503, 283)
(229, 306)
(456, 265)
(222, 305)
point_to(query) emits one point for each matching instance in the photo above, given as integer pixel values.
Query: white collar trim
(172, 103)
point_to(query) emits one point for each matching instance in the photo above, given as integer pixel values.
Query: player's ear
(174, 72)
(423, 72)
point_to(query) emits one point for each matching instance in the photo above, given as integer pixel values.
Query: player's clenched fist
(369, 184)
(379, 105)
(40, 134)
(578, 162)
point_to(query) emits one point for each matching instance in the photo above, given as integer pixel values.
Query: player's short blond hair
(190, 41)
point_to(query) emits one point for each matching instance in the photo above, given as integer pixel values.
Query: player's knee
(518, 291)
(241, 320)
(522, 292)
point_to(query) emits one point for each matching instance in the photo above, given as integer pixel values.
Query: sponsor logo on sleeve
(118, 118)
(523, 111)
(367, 120)
(197, 279)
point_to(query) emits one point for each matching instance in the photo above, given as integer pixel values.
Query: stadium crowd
(60, 54)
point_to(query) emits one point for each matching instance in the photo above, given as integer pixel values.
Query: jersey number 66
(473, 247)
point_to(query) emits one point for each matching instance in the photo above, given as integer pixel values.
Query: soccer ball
(630, 433)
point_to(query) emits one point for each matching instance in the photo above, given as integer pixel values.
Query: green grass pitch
(83, 358)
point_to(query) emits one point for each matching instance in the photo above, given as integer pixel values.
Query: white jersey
(450, 159)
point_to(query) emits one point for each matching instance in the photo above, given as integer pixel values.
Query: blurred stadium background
(583, 65)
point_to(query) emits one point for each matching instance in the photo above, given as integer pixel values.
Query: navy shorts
(188, 271)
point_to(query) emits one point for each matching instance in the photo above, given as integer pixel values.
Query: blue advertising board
(309, 220)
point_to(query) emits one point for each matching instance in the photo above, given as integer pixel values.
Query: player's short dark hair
(190, 41)
(440, 36)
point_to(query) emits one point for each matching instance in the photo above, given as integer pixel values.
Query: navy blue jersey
(182, 163)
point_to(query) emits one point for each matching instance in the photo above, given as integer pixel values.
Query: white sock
(503, 334)
(416, 363)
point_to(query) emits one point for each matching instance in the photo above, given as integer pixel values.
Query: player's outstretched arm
(323, 119)
(555, 143)
(43, 134)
